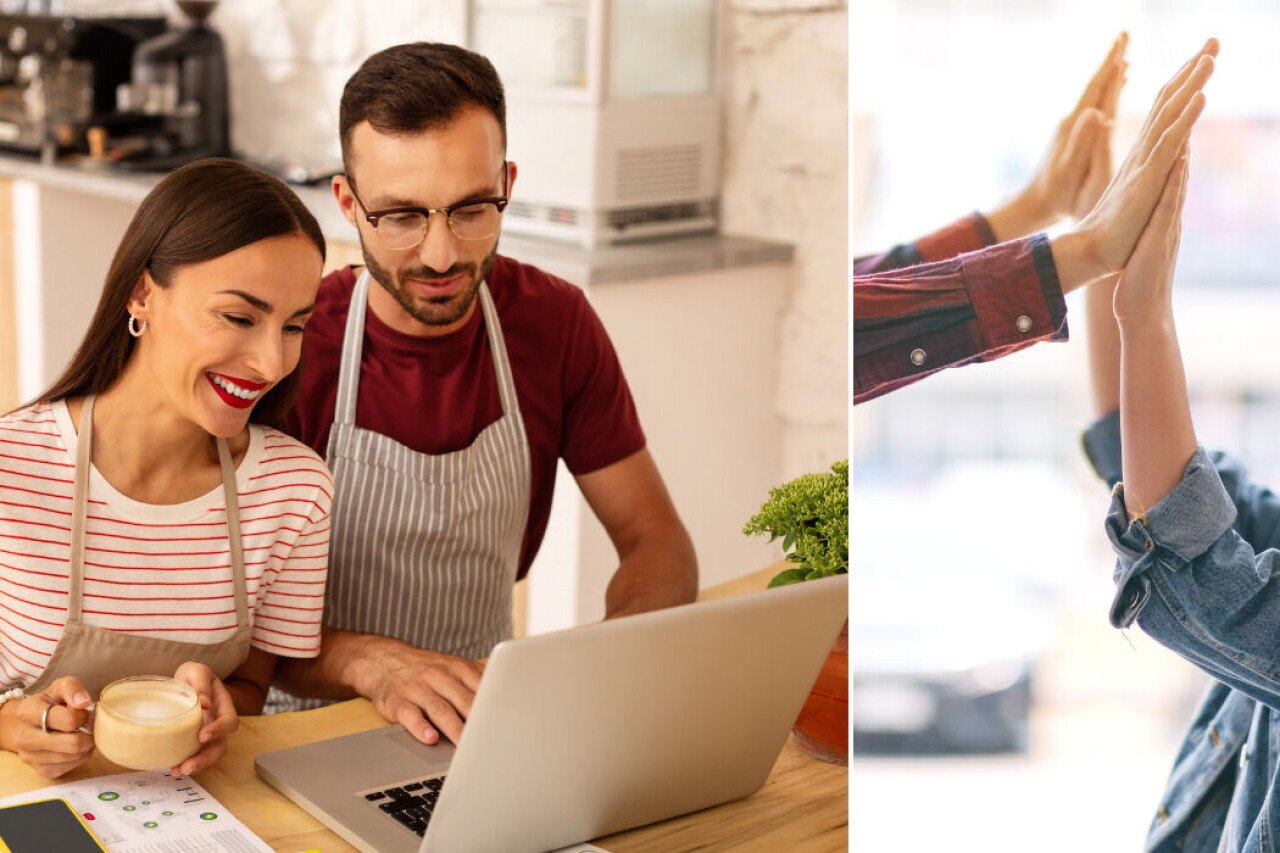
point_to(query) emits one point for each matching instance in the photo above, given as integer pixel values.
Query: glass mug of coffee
(147, 722)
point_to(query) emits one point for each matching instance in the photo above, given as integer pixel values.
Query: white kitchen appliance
(613, 114)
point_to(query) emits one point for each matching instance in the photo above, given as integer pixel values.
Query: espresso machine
(59, 75)
(175, 107)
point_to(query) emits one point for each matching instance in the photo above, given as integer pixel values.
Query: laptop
(585, 732)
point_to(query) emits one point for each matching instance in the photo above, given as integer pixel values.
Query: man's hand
(427, 692)
(1105, 100)
(1077, 167)
(1102, 242)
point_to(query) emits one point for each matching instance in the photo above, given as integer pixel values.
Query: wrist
(1077, 260)
(1156, 323)
(365, 659)
(8, 718)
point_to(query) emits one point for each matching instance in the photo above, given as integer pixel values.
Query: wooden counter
(803, 805)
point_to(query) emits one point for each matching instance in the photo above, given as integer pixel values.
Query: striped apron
(424, 548)
(98, 656)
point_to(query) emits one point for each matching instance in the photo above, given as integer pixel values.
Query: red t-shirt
(436, 394)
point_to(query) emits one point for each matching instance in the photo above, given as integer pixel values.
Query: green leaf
(810, 514)
(788, 576)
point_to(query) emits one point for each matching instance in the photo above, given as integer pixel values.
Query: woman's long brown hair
(201, 211)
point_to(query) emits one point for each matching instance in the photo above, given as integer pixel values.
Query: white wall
(786, 178)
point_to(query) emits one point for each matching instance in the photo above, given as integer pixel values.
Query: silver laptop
(585, 732)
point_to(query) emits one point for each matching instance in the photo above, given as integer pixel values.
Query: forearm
(1157, 434)
(246, 695)
(1077, 260)
(342, 670)
(660, 571)
(1022, 215)
(1103, 336)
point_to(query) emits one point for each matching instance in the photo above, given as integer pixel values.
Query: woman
(150, 521)
(1196, 544)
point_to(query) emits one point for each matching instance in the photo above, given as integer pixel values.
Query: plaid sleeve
(910, 323)
(969, 234)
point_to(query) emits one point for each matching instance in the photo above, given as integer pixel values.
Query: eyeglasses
(400, 228)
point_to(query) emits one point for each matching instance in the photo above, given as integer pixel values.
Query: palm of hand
(1145, 289)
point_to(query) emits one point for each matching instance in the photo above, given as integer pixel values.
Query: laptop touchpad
(435, 758)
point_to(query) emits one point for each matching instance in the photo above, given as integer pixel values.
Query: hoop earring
(135, 328)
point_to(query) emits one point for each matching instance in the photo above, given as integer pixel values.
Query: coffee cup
(147, 722)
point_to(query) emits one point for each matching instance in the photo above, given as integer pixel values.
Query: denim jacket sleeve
(1199, 571)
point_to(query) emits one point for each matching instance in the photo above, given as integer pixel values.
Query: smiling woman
(151, 521)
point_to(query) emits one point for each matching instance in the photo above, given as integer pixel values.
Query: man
(955, 309)
(442, 409)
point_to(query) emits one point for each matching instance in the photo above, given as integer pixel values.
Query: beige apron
(424, 547)
(97, 656)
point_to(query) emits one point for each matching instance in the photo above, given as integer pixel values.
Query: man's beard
(432, 310)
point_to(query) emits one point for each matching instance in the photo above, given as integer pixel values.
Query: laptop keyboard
(409, 804)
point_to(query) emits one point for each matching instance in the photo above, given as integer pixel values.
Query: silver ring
(44, 719)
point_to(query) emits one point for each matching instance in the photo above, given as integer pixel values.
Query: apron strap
(501, 364)
(229, 491)
(79, 505)
(352, 347)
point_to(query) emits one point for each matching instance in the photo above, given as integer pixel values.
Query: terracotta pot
(822, 729)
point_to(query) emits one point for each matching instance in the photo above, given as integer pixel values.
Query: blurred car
(939, 666)
(952, 604)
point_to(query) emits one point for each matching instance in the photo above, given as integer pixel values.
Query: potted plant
(810, 514)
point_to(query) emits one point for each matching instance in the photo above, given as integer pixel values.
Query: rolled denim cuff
(1182, 526)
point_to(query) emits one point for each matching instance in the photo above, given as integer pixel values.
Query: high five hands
(1077, 166)
(1102, 242)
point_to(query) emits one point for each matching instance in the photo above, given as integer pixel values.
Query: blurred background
(990, 693)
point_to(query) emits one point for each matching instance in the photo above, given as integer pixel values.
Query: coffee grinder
(176, 106)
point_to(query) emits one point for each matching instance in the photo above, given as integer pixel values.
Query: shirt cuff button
(1023, 323)
(918, 356)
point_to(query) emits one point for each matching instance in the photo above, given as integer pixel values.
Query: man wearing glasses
(442, 382)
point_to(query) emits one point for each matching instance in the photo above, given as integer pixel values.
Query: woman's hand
(1157, 433)
(63, 709)
(220, 718)
(1144, 294)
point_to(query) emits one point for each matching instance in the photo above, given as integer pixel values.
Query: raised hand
(1102, 242)
(1144, 293)
(1077, 166)
(1105, 101)
(1157, 432)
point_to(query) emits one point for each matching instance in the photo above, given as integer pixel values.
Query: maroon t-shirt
(436, 394)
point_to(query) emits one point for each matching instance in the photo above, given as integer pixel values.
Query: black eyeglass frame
(372, 216)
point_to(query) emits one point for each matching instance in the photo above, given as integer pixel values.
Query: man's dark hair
(419, 86)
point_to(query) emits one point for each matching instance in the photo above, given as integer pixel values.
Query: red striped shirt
(162, 571)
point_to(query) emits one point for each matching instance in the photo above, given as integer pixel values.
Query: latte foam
(150, 723)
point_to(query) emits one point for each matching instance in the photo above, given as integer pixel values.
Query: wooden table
(802, 806)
